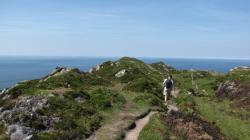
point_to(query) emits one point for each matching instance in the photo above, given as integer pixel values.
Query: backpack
(168, 84)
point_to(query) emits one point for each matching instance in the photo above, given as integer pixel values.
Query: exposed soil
(192, 127)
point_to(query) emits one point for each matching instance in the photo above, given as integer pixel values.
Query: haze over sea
(16, 69)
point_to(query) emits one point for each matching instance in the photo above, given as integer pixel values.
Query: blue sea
(16, 69)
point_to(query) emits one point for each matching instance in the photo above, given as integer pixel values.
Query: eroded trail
(112, 129)
(140, 124)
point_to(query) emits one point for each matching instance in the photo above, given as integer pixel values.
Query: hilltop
(105, 102)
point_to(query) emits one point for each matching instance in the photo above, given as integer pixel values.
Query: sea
(16, 69)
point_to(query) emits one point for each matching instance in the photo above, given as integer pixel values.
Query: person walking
(168, 84)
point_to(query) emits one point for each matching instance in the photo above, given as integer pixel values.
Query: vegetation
(105, 99)
(221, 114)
(147, 98)
(77, 119)
(154, 130)
(79, 103)
(2, 134)
(144, 85)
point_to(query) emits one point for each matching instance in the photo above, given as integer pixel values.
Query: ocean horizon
(14, 69)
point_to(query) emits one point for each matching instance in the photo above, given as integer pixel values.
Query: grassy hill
(104, 103)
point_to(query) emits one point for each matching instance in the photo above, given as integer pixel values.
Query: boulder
(94, 69)
(120, 73)
(18, 132)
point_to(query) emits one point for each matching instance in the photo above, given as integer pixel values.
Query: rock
(117, 63)
(244, 68)
(91, 70)
(18, 119)
(30, 137)
(80, 99)
(3, 92)
(59, 71)
(31, 103)
(238, 91)
(172, 109)
(18, 132)
(97, 68)
(233, 90)
(3, 95)
(120, 73)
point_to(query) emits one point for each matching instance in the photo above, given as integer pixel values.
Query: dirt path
(140, 124)
(118, 122)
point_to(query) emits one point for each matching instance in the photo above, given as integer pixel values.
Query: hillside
(105, 102)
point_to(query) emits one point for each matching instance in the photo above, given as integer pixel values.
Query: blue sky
(145, 28)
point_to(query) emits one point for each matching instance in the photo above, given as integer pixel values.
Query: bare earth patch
(140, 124)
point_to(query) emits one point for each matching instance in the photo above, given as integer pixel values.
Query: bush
(73, 80)
(71, 113)
(76, 94)
(186, 103)
(147, 98)
(47, 136)
(105, 99)
(144, 85)
(28, 87)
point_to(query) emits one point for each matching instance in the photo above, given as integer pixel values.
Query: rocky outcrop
(18, 132)
(120, 73)
(59, 71)
(237, 91)
(94, 69)
(19, 120)
(3, 91)
(105, 64)
(161, 66)
(234, 90)
(244, 68)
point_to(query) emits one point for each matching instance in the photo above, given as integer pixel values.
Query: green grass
(2, 132)
(147, 99)
(105, 99)
(217, 112)
(154, 130)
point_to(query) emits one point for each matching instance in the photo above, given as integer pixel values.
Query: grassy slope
(137, 95)
(154, 130)
(219, 112)
(138, 87)
(232, 121)
(157, 130)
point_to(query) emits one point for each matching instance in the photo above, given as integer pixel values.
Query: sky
(137, 28)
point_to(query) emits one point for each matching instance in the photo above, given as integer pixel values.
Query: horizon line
(158, 57)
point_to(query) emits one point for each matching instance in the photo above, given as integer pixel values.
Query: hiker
(168, 84)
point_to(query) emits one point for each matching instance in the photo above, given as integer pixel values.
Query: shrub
(104, 99)
(28, 87)
(144, 85)
(146, 98)
(186, 103)
(75, 94)
(71, 113)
